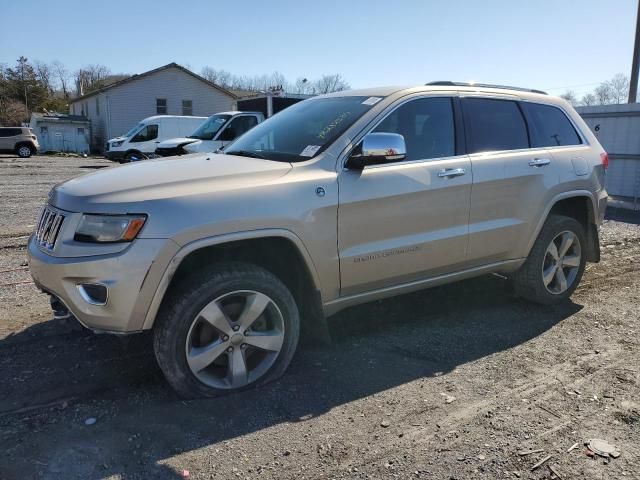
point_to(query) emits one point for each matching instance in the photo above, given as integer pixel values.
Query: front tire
(232, 327)
(555, 264)
(130, 157)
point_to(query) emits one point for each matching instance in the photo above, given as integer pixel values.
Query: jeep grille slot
(48, 228)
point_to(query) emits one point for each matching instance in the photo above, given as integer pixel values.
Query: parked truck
(222, 128)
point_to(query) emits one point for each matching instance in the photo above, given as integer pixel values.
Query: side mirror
(227, 134)
(377, 148)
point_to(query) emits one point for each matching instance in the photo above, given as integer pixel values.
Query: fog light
(93, 293)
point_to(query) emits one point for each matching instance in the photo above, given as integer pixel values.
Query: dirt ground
(450, 383)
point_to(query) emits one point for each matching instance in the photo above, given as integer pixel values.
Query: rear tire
(555, 264)
(24, 151)
(232, 327)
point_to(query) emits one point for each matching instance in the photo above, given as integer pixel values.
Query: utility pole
(22, 61)
(633, 85)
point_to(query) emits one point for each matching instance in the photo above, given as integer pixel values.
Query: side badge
(320, 191)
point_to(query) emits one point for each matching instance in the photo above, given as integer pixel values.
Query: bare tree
(44, 76)
(603, 94)
(619, 87)
(62, 76)
(570, 96)
(302, 86)
(330, 83)
(588, 99)
(11, 112)
(219, 77)
(91, 77)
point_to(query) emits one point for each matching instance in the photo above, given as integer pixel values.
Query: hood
(127, 188)
(117, 139)
(174, 142)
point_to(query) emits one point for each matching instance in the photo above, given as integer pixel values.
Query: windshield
(208, 129)
(303, 130)
(133, 130)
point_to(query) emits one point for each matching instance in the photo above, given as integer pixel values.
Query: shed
(60, 132)
(617, 128)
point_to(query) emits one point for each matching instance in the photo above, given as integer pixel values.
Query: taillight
(604, 158)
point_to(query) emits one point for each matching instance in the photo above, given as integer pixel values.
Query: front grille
(48, 228)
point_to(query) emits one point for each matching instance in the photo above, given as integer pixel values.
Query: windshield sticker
(337, 121)
(309, 150)
(371, 101)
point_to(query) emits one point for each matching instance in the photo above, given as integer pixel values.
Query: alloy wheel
(235, 339)
(24, 152)
(561, 262)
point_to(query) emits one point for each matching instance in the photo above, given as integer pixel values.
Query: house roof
(59, 117)
(243, 93)
(151, 72)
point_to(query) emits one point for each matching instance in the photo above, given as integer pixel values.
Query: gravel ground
(450, 383)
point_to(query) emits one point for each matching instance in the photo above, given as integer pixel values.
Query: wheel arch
(280, 251)
(25, 143)
(578, 204)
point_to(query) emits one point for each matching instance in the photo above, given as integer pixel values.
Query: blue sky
(546, 44)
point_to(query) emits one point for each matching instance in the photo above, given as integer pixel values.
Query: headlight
(117, 144)
(109, 228)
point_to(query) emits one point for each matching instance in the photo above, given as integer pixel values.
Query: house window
(187, 107)
(97, 106)
(86, 108)
(80, 131)
(44, 130)
(161, 106)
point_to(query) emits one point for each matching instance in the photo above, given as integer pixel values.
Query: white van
(219, 130)
(143, 139)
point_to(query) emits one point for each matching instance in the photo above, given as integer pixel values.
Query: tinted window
(494, 125)
(10, 132)
(242, 124)
(549, 126)
(149, 132)
(427, 127)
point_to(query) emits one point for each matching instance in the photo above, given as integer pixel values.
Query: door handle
(539, 162)
(451, 172)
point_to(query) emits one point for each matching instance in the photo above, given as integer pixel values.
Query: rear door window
(494, 125)
(549, 126)
(427, 126)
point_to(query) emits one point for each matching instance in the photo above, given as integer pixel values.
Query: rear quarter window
(494, 125)
(549, 126)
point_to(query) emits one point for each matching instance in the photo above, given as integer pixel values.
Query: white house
(168, 90)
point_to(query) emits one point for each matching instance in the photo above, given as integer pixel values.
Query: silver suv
(19, 140)
(338, 200)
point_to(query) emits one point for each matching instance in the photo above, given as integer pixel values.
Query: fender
(181, 254)
(556, 199)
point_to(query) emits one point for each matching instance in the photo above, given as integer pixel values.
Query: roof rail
(447, 83)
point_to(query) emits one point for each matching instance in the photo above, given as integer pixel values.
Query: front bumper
(129, 275)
